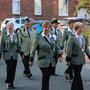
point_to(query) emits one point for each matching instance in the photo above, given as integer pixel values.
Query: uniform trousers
(26, 64)
(11, 69)
(77, 80)
(46, 73)
(69, 71)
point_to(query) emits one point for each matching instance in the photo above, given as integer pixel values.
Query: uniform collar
(28, 30)
(71, 30)
(46, 36)
(53, 28)
(78, 36)
(9, 33)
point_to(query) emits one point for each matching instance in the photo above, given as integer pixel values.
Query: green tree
(83, 4)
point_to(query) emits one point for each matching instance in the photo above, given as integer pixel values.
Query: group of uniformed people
(49, 45)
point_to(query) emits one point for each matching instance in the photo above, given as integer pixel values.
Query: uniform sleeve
(34, 48)
(69, 48)
(19, 35)
(20, 48)
(58, 51)
(87, 49)
(64, 36)
(1, 45)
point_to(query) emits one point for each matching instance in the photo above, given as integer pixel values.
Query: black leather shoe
(28, 75)
(12, 85)
(54, 75)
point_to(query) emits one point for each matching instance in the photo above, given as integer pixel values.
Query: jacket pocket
(42, 57)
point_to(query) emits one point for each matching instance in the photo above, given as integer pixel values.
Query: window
(22, 21)
(38, 7)
(63, 8)
(16, 7)
(17, 21)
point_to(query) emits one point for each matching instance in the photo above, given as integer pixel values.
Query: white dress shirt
(79, 38)
(11, 35)
(69, 30)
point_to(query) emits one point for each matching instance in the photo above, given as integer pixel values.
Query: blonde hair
(77, 25)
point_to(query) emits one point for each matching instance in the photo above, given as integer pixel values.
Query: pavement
(34, 83)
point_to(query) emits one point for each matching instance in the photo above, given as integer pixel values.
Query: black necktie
(55, 32)
(28, 32)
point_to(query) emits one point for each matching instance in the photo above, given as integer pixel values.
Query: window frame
(35, 13)
(59, 14)
(13, 6)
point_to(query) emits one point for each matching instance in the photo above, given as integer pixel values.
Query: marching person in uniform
(5, 29)
(75, 55)
(58, 33)
(66, 33)
(45, 45)
(26, 36)
(10, 47)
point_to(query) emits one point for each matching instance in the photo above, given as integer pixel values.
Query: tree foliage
(83, 4)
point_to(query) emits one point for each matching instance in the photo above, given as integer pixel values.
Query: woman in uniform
(10, 47)
(75, 55)
(46, 47)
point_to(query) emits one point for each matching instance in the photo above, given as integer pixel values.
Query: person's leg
(69, 71)
(9, 71)
(54, 70)
(46, 72)
(77, 81)
(14, 63)
(26, 66)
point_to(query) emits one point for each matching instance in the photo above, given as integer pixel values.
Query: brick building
(37, 9)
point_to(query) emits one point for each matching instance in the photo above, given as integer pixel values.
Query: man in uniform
(66, 34)
(58, 33)
(26, 36)
(5, 29)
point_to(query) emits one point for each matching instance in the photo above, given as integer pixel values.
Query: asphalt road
(34, 83)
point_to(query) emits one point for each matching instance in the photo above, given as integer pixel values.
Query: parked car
(38, 27)
(18, 22)
(77, 19)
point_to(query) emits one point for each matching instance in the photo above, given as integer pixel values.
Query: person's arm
(87, 49)
(69, 50)
(1, 46)
(19, 35)
(33, 50)
(59, 53)
(64, 36)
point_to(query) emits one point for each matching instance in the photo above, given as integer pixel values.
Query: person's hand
(22, 57)
(60, 59)
(30, 63)
(68, 63)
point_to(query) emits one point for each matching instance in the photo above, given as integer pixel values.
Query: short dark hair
(26, 19)
(70, 21)
(6, 21)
